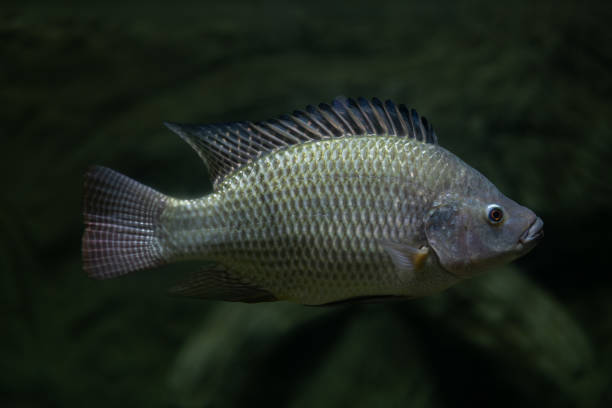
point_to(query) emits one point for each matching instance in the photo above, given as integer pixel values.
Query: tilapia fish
(341, 202)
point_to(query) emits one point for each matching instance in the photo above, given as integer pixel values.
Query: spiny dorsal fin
(225, 147)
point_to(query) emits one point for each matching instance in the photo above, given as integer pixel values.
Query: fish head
(471, 234)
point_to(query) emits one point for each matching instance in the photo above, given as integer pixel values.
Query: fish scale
(336, 203)
(286, 180)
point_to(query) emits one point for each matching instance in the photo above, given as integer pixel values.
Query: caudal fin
(121, 217)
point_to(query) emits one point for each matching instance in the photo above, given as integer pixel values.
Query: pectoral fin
(220, 284)
(407, 259)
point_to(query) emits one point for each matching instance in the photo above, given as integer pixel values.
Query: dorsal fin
(226, 146)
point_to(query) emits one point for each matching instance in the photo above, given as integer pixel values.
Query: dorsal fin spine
(392, 115)
(293, 126)
(241, 143)
(307, 122)
(329, 116)
(379, 111)
(248, 128)
(418, 127)
(312, 114)
(359, 117)
(405, 115)
(239, 140)
(228, 146)
(265, 132)
(279, 132)
(339, 111)
(368, 112)
(343, 111)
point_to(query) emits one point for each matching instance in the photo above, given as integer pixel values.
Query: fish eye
(495, 214)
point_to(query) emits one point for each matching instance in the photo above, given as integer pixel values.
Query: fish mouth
(534, 233)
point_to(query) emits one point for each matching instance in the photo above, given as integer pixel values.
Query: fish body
(340, 202)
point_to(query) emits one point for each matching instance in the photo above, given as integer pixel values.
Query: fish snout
(534, 233)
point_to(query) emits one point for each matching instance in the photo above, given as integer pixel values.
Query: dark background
(523, 94)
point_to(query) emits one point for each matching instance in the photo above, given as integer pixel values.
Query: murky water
(522, 94)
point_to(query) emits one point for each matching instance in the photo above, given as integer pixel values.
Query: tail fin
(121, 217)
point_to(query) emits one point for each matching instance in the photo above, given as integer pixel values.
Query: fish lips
(533, 234)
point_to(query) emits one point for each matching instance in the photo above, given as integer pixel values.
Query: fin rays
(227, 146)
(218, 283)
(121, 216)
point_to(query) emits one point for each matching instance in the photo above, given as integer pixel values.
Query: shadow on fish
(337, 203)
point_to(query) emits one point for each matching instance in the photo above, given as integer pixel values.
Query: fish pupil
(495, 214)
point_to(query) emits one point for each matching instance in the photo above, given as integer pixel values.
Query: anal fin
(218, 283)
(366, 299)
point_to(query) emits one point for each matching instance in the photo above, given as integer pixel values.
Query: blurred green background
(522, 93)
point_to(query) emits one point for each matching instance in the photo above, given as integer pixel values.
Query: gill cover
(446, 230)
